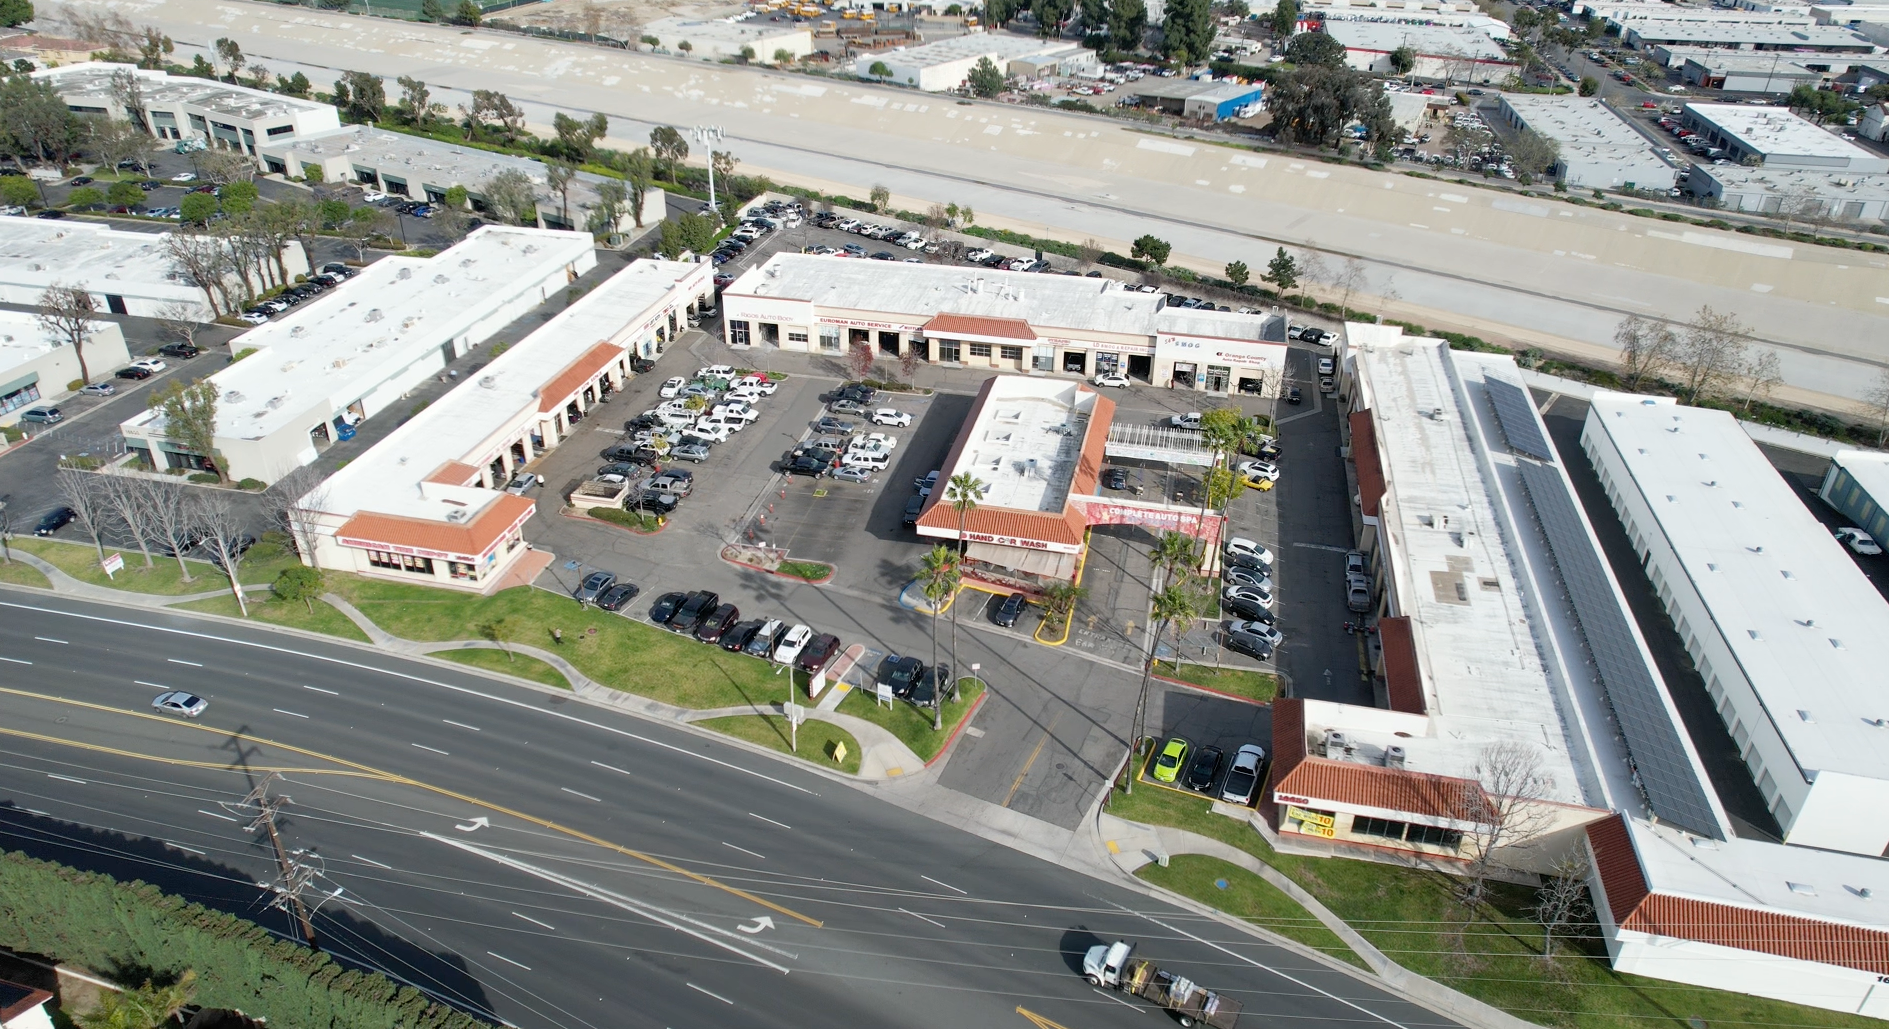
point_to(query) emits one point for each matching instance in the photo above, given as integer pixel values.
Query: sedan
(1244, 551)
(1859, 541)
(618, 595)
(154, 364)
(1115, 379)
(593, 586)
(1265, 632)
(820, 650)
(54, 520)
(177, 702)
(1247, 595)
(665, 607)
(98, 389)
(900, 674)
(186, 351)
(671, 387)
(736, 638)
(854, 473)
(1235, 575)
(762, 643)
(717, 622)
(522, 482)
(889, 416)
(834, 425)
(1115, 479)
(792, 642)
(1205, 771)
(1243, 777)
(1251, 645)
(1167, 764)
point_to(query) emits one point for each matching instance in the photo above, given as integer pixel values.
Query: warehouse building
(36, 366)
(1738, 71)
(1803, 193)
(1599, 150)
(1729, 34)
(321, 369)
(713, 40)
(1406, 12)
(428, 503)
(126, 272)
(1445, 53)
(1204, 100)
(1001, 321)
(1857, 485)
(185, 107)
(1785, 630)
(946, 64)
(1778, 138)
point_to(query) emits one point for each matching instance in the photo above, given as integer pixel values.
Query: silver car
(177, 702)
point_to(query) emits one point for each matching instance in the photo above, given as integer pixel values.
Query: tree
(1285, 18)
(295, 85)
(170, 515)
(238, 198)
(559, 176)
(1350, 280)
(1317, 48)
(416, 101)
(985, 79)
(963, 492)
(782, 56)
(294, 503)
(433, 11)
(80, 489)
(299, 582)
(1050, 15)
(639, 170)
(938, 579)
(1711, 352)
(125, 193)
(189, 413)
(686, 47)
(1094, 15)
(1173, 605)
(19, 191)
(35, 120)
(1282, 272)
(1819, 105)
(15, 12)
(200, 258)
(1000, 12)
(221, 526)
(669, 147)
(468, 13)
(1237, 272)
(361, 96)
(489, 105)
(114, 140)
(1533, 154)
(197, 208)
(231, 56)
(608, 211)
(1187, 30)
(578, 136)
(1313, 104)
(1763, 373)
(1151, 249)
(364, 226)
(1128, 23)
(1562, 900)
(859, 359)
(881, 198)
(147, 1007)
(1403, 60)
(85, 197)
(509, 197)
(1505, 808)
(1647, 349)
(1589, 86)
(1877, 397)
(65, 314)
(1059, 602)
(880, 70)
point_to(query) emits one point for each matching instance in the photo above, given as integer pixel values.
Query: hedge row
(98, 922)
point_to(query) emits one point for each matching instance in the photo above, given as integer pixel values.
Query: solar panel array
(1516, 413)
(1665, 776)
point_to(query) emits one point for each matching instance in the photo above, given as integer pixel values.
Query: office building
(186, 107)
(1777, 138)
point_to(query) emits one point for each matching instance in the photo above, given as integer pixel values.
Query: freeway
(548, 864)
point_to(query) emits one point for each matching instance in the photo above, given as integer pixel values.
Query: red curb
(783, 575)
(575, 516)
(1210, 689)
(962, 722)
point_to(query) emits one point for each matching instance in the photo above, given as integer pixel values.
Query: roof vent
(299, 330)
(439, 280)
(373, 315)
(234, 396)
(488, 381)
(404, 273)
(1393, 757)
(1860, 892)
(457, 515)
(1336, 744)
(1806, 716)
(1802, 888)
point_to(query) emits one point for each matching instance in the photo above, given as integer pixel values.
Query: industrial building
(36, 366)
(185, 107)
(1598, 149)
(424, 169)
(126, 272)
(1205, 100)
(1777, 138)
(946, 64)
(1003, 321)
(1804, 194)
(1729, 34)
(1739, 71)
(1785, 630)
(1407, 12)
(713, 40)
(1857, 485)
(1445, 53)
(428, 503)
(321, 369)
(1874, 122)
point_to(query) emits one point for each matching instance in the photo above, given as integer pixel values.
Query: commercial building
(1731, 34)
(946, 64)
(1618, 14)
(1777, 138)
(1070, 61)
(1003, 321)
(1205, 100)
(1739, 71)
(1445, 53)
(126, 272)
(318, 371)
(1785, 630)
(184, 107)
(1803, 193)
(1874, 122)
(428, 503)
(1857, 485)
(1871, 75)
(425, 169)
(725, 37)
(36, 365)
(1598, 149)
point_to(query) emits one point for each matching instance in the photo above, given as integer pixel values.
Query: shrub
(637, 520)
(204, 477)
(253, 485)
(75, 385)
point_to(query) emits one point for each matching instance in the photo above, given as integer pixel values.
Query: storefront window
(20, 397)
(794, 336)
(830, 338)
(980, 350)
(1010, 353)
(461, 570)
(1044, 359)
(738, 334)
(1218, 377)
(400, 562)
(948, 351)
(1106, 363)
(1183, 375)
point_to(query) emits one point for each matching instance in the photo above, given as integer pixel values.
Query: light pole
(708, 136)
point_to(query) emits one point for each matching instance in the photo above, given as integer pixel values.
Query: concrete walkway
(64, 583)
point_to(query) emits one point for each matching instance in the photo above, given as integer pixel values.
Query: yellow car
(1173, 757)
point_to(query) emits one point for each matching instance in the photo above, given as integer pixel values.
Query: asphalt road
(622, 864)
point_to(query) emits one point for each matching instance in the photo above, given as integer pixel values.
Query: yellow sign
(1319, 830)
(1311, 818)
(839, 752)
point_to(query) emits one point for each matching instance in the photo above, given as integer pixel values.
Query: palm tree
(962, 492)
(1174, 604)
(939, 579)
(1177, 554)
(146, 1007)
(1061, 599)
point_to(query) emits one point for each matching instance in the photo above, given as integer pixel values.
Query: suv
(690, 614)
(913, 508)
(182, 350)
(1357, 594)
(899, 674)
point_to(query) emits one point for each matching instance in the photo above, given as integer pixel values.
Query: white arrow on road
(476, 824)
(760, 923)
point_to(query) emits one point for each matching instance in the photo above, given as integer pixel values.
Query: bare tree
(80, 490)
(1711, 352)
(1314, 269)
(180, 320)
(124, 494)
(1648, 349)
(294, 503)
(170, 511)
(1763, 374)
(1877, 397)
(204, 260)
(1350, 279)
(65, 312)
(1562, 900)
(222, 531)
(1505, 807)
(1088, 252)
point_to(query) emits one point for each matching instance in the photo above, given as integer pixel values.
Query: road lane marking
(1034, 754)
(711, 993)
(371, 861)
(318, 689)
(744, 850)
(15, 661)
(534, 921)
(612, 768)
(181, 661)
(586, 796)
(508, 961)
(187, 850)
(947, 886)
(67, 778)
(435, 750)
(1118, 1000)
(915, 914)
(286, 711)
(462, 725)
(218, 814)
(49, 639)
(153, 685)
(763, 818)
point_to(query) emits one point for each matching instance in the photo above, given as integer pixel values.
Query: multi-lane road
(550, 864)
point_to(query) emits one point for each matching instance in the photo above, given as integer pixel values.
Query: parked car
(1240, 550)
(1294, 396)
(888, 416)
(593, 586)
(1238, 575)
(523, 481)
(177, 702)
(853, 473)
(1263, 632)
(671, 387)
(1204, 771)
(618, 595)
(1243, 777)
(42, 416)
(1249, 595)
(820, 650)
(1357, 594)
(1189, 421)
(792, 644)
(54, 520)
(134, 372)
(693, 608)
(716, 622)
(1859, 541)
(98, 389)
(762, 643)
(1009, 610)
(153, 363)
(913, 508)
(1116, 479)
(736, 638)
(1115, 379)
(665, 607)
(1167, 764)
(899, 674)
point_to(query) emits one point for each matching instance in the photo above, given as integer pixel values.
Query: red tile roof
(974, 325)
(1288, 736)
(454, 473)
(471, 538)
(1401, 677)
(1636, 908)
(1391, 789)
(1370, 468)
(559, 390)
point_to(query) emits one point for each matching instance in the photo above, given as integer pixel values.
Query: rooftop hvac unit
(488, 381)
(457, 514)
(1393, 757)
(1336, 744)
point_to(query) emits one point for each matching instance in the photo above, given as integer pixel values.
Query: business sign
(113, 564)
(1319, 830)
(1291, 798)
(1003, 541)
(854, 323)
(1250, 353)
(1309, 817)
(395, 548)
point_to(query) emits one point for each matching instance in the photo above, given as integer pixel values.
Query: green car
(1172, 758)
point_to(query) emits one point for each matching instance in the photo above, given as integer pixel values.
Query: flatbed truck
(1115, 967)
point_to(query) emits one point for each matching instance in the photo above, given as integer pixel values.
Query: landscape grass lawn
(817, 739)
(292, 613)
(811, 571)
(609, 648)
(1249, 897)
(912, 725)
(1413, 917)
(522, 665)
(1241, 682)
(259, 567)
(19, 573)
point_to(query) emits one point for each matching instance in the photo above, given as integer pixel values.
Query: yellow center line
(1034, 754)
(367, 771)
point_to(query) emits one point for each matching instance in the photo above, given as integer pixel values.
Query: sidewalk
(66, 584)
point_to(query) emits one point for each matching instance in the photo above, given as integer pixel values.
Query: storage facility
(1731, 34)
(1805, 194)
(36, 366)
(1206, 100)
(1857, 485)
(946, 64)
(1598, 149)
(1738, 71)
(1445, 53)
(1777, 138)
(186, 107)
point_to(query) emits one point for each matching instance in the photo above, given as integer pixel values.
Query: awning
(1046, 563)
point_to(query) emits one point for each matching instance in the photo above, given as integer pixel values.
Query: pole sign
(113, 565)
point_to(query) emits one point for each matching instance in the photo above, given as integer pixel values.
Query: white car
(978, 255)
(372, 196)
(716, 371)
(1858, 540)
(765, 385)
(869, 451)
(1241, 547)
(1253, 471)
(888, 416)
(1115, 379)
(1247, 595)
(177, 702)
(184, 177)
(877, 440)
(1243, 777)
(676, 419)
(150, 364)
(1190, 420)
(792, 644)
(671, 387)
(737, 412)
(713, 429)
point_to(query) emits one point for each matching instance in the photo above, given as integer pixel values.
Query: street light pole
(708, 136)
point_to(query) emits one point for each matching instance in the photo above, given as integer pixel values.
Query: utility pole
(708, 136)
(294, 872)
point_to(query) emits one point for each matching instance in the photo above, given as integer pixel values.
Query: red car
(819, 651)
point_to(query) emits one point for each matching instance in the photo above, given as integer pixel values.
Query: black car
(594, 586)
(689, 615)
(54, 520)
(1007, 612)
(616, 596)
(818, 651)
(665, 607)
(623, 468)
(1293, 396)
(640, 365)
(913, 508)
(134, 372)
(615, 452)
(183, 350)
(660, 503)
(762, 644)
(1205, 769)
(1250, 645)
(1115, 478)
(901, 674)
(737, 638)
(1248, 610)
(716, 623)
(857, 392)
(641, 422)
(51, 213)
(812, 462)
(928, 684)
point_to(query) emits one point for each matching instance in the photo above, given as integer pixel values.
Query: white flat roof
(416, 158)
(1730, 30)
(1776, 131)
(387, 479)
(1807, 628)
(1583, 126)
(37, 252)
(366, 330)
(1000, 46)
(1027, 442)
(1721, 59)
(22, 340)
(1426, 40)
(674, 30)
(1759, 875)
(76, 82)
(1870, 469)
(1797, 182)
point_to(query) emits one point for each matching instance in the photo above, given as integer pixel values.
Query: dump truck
(1115, 967)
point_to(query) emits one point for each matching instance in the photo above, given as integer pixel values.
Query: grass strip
(911, 724)
(817, 739)
(1241, 682)
(294, 614)
(20, 573)
(523, 666)
(1248, 897)
(80, 560)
